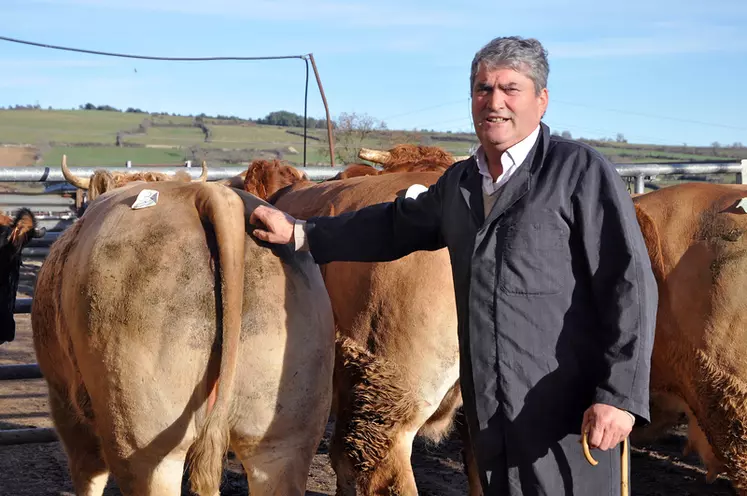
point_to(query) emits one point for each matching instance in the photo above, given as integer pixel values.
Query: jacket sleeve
(623, 286)
(379, 233)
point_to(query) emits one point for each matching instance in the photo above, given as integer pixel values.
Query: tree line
(278, 118)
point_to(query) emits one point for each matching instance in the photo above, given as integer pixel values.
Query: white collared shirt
(511, 159)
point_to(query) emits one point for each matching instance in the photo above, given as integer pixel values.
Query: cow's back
(403, 300)
(127, 325)
(397, 360)
(695, 233)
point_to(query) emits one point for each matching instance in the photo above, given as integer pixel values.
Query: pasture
(89, 137)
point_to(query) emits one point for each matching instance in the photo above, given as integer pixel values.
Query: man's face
(505, 107)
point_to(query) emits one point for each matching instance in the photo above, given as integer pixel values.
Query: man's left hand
(606, 425)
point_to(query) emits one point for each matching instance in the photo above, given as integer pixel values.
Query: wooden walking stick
(624, 482)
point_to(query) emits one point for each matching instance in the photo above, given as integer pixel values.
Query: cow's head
(264, 178)
(102, 181)
(356, 170)
(410, 158)
(15, 233)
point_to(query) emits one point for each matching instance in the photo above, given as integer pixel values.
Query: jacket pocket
(536, 257)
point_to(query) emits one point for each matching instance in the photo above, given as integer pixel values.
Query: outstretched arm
(382, 232)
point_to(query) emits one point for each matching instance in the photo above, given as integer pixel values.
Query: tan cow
(166, 330)
(102, 181)
(396, 372)
(696, 236)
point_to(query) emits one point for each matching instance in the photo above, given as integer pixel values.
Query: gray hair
(525, 55)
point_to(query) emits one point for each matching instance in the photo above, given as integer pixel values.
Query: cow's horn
(203, 176)
(76, 181)
(376, 156)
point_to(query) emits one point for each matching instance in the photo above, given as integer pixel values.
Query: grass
(37, 127)
(88, 138)
(81, 156)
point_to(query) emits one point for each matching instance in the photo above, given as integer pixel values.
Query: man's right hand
(274, 226)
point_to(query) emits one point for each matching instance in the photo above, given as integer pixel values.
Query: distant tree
(621, 138)
(206, 131)
(290, 119)
(566, 135)
(144, 125)
(737, 144)
(351, 131)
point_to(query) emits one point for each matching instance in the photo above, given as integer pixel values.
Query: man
(555, 294)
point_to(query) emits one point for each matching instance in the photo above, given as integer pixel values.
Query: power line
(462, 100)
(145, 57)
(641, 114)
(306, 58)
(556, 126)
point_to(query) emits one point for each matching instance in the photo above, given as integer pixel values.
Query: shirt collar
(513, 157)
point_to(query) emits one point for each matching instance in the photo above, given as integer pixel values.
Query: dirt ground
(17, 156)
(41, 469)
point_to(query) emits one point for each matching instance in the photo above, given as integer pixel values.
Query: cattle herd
(167, 334)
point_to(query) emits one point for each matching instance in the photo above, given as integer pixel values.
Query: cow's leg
(140, 478)
(468, 456)
(393, 475)
(275, 470)
(88, 470)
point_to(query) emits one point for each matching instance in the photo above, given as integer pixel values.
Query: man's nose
(497, 100)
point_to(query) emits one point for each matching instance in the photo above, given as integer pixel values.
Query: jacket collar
(516, 187)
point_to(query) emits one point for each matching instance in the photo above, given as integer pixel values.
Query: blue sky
(658, 71)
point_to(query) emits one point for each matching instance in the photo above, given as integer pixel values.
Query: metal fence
(56, 212)
(320, 173)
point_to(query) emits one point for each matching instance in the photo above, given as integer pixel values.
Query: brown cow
(15, 234)
(401, 158)
(397, 365)
(695, 234)
(165, 330)
(102, 180)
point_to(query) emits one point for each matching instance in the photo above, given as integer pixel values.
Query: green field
(89, 137)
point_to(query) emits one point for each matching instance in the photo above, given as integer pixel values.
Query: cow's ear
(22, 229)
(653, 242)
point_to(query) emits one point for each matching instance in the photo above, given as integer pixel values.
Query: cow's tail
(225, 212)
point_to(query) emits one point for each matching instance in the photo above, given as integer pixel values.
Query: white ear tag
(415, 190)
(743, 204)
(146, 198)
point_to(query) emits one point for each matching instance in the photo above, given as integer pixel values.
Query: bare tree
(353, 131)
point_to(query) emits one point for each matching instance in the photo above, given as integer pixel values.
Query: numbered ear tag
(415, 190)
(742, 204)
(146, 198)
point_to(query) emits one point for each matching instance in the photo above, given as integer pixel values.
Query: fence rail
(54, 174)
(321, 173)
